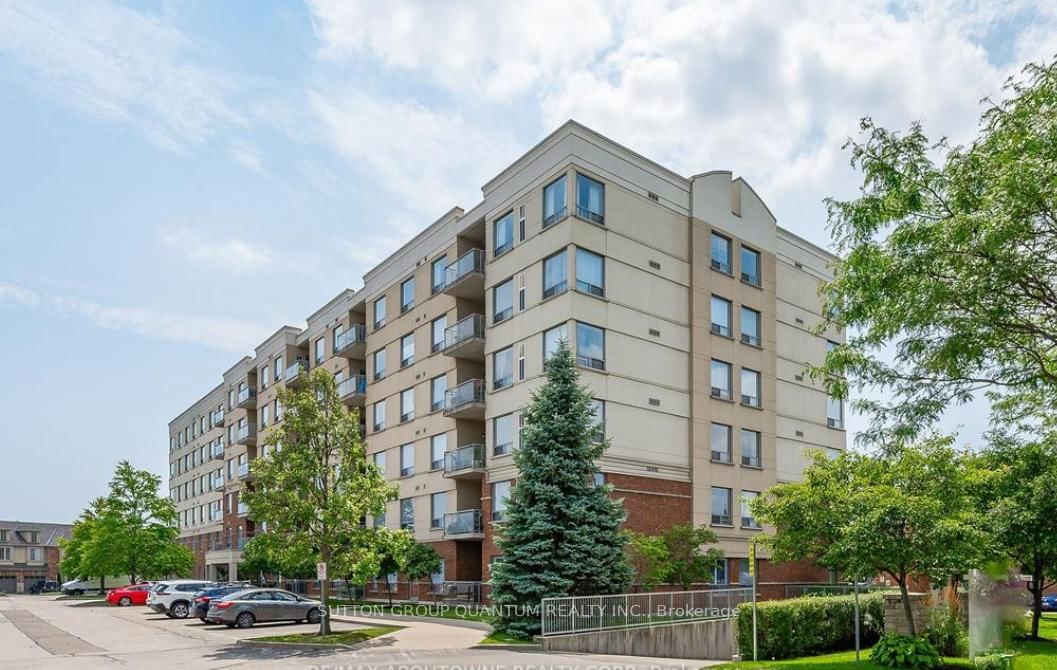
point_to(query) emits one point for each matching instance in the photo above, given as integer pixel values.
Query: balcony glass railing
(217, 450)
(246, 433)
(464, 458)
(470, 262)
(464, 394)
(217, 419)
(244, 470)
(352, 385)
(466, 329)
(246, 394)
(293, 371)
(355, 334)
(465, 522)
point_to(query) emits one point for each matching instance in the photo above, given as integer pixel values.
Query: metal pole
(755, 631)
(856, 620)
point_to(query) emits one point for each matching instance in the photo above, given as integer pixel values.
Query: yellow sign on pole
(752, 558)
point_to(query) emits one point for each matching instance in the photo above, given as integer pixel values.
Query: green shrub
(905, 651)
(946, 632)
(995, 659)
(809, 625)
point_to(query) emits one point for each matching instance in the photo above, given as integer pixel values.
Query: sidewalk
(422, 633)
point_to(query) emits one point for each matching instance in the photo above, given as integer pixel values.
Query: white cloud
(213, 331)
(117, 65)
(247, 156)
(234, 256)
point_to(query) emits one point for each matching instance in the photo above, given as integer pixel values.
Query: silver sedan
(245, 608)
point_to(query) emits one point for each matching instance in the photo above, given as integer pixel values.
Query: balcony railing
(247, 397)
(466, 522)
(217, 450)
(469, 457)
(466, 330)
(244, 470)
(294, 371)
(246, 435)
(352, 338)
(352, 387)
(242, 510)
(465, 276)
(217, 418)
(464, 396)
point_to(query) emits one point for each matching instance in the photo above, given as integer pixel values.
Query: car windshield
(158, 588)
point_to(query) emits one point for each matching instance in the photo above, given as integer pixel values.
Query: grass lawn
(1030, 656)
(340, 637)
(504, 638)
(424, 609)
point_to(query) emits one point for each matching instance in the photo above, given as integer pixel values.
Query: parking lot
(39, 633)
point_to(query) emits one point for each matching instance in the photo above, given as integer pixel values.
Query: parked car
(79, 587)
(44, 586)
(133, 594)
(250, 606)
(200, 604)
(173, 598)
(1049, 603)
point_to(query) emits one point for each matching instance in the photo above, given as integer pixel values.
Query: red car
(133, 594)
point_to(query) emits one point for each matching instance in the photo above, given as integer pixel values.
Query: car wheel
(77, 592)
(314, 615)
(124, 602)
(179, 610)
(202, 619)
(245, 620)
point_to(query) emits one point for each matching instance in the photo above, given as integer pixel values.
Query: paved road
(40, 633)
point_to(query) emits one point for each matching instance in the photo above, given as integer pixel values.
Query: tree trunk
(1036, 600)
(388, 591)
(324, 597)
(907, 609)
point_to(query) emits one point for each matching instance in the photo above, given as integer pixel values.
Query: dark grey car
(245, 608)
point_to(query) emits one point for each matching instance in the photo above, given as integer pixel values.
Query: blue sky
(180, 178)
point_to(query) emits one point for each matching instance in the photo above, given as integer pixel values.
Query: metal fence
(578, 614)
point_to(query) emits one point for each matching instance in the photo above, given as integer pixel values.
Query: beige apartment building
(691, 314)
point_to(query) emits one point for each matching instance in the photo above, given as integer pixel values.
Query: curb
(87, 603)
(510, 647)
(306, 646)
(459, 623)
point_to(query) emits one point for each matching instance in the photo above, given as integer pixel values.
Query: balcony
(465, 401)
(242, 511)
(466, 338)
(216, 451)
(465, 277)
(244, 470)
(247, 399)
(353, 390)
(464, 525)
(466, 462)
(247, 435)
(218, 483)
(351, 343)
(217, 418)
(293, 373)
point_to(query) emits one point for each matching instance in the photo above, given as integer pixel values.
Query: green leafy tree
(648, 558)
(562, 534)
(908, 513)
(83, 558)
(1019, 500)
(317, 486)
(421, 561)
(270, 554)
(949, 265)
(688, 561)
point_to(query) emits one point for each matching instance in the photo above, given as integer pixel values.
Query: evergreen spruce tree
(562, 534)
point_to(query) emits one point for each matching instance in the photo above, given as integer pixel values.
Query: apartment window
(521, 362)
(750, 387)
(278, 410)
(721, 253)
(590, 346)
(590, 199)
(379, 415)
(747, 519)
(521, 223)
(503, 301)
(34, 554)
(503, 233)
(598, 419)
(407, 350)
(503, 434)
(438, 386)
(438, 273)
(554, 275)
(590, 273)
(231, 398)
(407, 460)
(320, 350)
(379, 363)
(438, 446)
(500, 497)
(720, 443)
(5, 553)
(379, 312)
(379, 462)
(521, 292)
(379, 519)
(720, 379)
(407, 514)
(552, 338)
(554, 209)
(719, 572)
(750, 266)
(721, 506)
(834, 412)
(750, 448)
(503, 368)
(750, 326)
(265, 416)
(263, 377)
(721, 312)
(438, 507)
(278, 368)
(407, 405)
(407, 295)
(436, 329)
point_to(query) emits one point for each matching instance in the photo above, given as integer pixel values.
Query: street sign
(752, 559)
(321, 571)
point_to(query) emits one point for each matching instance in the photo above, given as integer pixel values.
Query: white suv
(173, 598)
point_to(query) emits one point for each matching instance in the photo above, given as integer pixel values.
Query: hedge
(809, 625)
